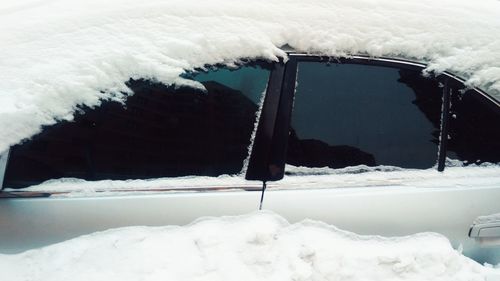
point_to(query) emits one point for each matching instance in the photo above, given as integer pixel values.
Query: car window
(160, 131)
(355, 114)
(474, 133)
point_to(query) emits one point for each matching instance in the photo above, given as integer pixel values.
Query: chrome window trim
(4, 157)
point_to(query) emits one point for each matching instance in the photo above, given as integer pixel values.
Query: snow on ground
(485, 175)
(56, 55)
(260, 246)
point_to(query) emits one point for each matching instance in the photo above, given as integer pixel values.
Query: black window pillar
(443, 137)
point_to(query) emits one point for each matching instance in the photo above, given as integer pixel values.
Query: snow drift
(57, 55)
(259, 246)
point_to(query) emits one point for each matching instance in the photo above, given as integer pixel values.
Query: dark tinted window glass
(160, 131)
(474, 134)
(348, 114)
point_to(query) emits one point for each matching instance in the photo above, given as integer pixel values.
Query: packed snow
(58, 55)
(259, 246)
(485, 175)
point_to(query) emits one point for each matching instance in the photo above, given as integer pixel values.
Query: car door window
(356, 114)
(474, 133)
(160, 131)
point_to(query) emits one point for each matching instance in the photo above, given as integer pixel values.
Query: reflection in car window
(349, 114)
(161, 131)
(474, 133)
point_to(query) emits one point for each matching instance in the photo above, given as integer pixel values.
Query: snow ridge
(259, 246)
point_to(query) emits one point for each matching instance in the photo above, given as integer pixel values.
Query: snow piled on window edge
(472, 176)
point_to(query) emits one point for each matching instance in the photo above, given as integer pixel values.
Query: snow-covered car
(180, 110)
(367, 146)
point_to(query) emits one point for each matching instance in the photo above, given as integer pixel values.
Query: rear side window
(352, 114)
(161, 131)
(474, 133)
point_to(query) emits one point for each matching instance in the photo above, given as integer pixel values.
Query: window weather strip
(3, 166)
(443, 137)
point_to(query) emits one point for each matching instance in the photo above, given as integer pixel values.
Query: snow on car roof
(56, 55)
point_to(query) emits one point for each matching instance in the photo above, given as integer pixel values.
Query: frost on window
(474, 133)
(160, 131)
(349, 115)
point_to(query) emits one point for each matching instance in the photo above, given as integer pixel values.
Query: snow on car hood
(56, 55)
(259, 246)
